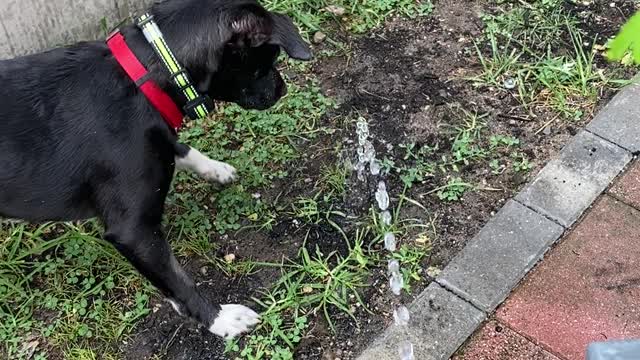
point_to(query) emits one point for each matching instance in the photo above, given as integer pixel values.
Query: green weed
(411, 259)
(258, 144)
(359, 15)
(453, 190)
(524, 45)
(62, 285)
(314, 283)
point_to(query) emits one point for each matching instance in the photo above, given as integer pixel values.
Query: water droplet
(393, 266)
(510, 83)
(406, 351)
(382, 197)
(382, 186)
(396, 283)
(390, 242)
(374, 166)
(401, 316)
(386, 217)
(369, 152)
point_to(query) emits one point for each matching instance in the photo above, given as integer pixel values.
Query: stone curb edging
(491, 265)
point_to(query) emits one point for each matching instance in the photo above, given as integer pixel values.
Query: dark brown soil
(409, 80)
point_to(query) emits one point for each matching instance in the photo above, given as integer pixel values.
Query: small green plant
(496, 167)
(274, 338)
(503, 141)
(521, 162)
(314, 283)
(307, 209)
(453, 191)
(64, 286)
(410, 258)
(466, 145)
(333, 179)
(522, 52)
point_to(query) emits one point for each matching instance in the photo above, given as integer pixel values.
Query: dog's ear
(251, 26)
(286, 35)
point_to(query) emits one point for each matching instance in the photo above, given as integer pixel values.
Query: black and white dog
(79, 140)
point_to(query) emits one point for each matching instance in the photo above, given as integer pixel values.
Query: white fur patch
(210, 170)
(234, 320)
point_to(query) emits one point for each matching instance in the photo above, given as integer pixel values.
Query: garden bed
(464, 101)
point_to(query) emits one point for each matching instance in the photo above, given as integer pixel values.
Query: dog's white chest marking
(208, 169)
(234, 320)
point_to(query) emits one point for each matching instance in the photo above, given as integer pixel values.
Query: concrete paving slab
(502, 253)
(568, 185)
(440, 322)
(618, 121)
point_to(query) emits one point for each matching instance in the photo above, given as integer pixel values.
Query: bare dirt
(410, 80)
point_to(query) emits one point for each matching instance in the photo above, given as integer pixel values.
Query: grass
(521, 51)
(258, 144)
(472, 146)
(62, 287)
(358, 16)
(315, 283)
(326, 286)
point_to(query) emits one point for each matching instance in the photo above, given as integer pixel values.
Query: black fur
(79, 140)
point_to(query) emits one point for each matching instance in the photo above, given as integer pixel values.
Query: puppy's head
(246, 72)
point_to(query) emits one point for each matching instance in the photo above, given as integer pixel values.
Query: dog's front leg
(146, 248)
(188, 158)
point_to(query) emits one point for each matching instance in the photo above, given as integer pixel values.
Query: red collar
(139, 74)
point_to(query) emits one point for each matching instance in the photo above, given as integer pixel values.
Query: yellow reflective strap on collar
(154, 36)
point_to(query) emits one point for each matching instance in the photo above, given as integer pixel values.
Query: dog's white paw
(208, 169)
(234, 320)
(217, 171)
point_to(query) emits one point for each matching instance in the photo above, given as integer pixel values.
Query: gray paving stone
(440, 323)
(570, 183)
(500, 255)
(618, 121)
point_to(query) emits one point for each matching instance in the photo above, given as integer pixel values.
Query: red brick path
(586, 289)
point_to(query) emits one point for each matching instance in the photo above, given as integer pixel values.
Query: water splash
(393, 266)
(374, 166)
(396, 283)
(366, 151)
(382, 197)
(405, 351)
(367, 156)
(386, 218)
(401, 316)
(390, 242)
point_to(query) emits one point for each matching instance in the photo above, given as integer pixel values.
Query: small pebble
(319, 37)
(336, 10)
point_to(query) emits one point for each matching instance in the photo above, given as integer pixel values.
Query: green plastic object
(614, 350)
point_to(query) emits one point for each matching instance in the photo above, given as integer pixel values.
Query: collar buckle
(199, 107)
